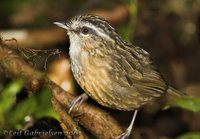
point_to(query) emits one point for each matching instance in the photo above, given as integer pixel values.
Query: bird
(110, 70)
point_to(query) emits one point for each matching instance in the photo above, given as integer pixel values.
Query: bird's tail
(171, 94)
(174, 92)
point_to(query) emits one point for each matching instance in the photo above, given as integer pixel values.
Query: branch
(97, 121)
(70, 128)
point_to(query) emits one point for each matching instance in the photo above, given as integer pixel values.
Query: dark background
(168, 29)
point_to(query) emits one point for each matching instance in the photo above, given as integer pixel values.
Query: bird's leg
(78, 101)
(127, 133)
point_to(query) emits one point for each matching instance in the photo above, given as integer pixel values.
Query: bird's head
(89, 31)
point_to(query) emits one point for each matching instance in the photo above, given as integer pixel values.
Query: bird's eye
(85, 30)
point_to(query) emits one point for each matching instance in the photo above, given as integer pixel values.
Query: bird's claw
(127, 133)
(124, 135)
(78, 101)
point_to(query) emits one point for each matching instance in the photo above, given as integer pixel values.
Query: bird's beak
(62, 25)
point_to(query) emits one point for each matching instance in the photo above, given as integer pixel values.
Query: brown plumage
(113, 72)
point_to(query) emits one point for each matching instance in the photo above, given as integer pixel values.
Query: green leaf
(8, 95)
(191, 135)
(8, 98)
(187, 102)
(128, 29)
(24, 108)
(45, 106)
(37, 105)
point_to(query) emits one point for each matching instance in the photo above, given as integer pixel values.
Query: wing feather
(134, 68)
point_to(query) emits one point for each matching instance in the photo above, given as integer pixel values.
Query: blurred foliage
(192, 135)
(188, 103)
(127, 30)
(8, 99)
(168, 29)
(13, 115)
(24, 8)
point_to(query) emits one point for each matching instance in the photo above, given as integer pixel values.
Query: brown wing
(133, 68)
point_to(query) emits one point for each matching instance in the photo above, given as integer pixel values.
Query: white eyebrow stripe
(98, 31)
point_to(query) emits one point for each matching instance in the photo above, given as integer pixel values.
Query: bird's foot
(78, 101)
(124, 135)
(127, 133)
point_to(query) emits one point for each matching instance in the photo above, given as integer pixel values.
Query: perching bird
(113, 72)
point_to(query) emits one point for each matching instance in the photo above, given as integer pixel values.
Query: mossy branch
(97, 121)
